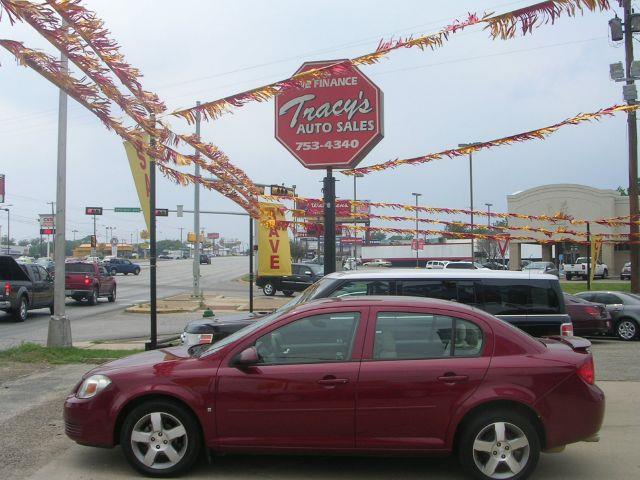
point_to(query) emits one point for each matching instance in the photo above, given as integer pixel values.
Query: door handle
(331, 381)
(453, 378)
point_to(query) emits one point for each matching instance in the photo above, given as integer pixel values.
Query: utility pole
(196, 219)
(329, 197)
(181, 229)
(74, 234)
(417, 195)
(59, 334)
(632, 135)
(463, 145)
(53, 206)
(153, 258)
(489, 205)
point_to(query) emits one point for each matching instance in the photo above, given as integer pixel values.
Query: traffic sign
(93, 211)
(162, 212)
(332, 120)
(47, 231)
(127, 209)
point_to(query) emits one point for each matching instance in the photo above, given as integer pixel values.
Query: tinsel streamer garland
(88, 96)
(96, 35)
(537, 134)
(503, 26)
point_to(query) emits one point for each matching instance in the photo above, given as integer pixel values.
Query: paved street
(108, 320)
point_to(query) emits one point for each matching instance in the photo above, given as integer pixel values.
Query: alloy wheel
(501, 450)
(23, 310)
(627, 329)
(159, 440)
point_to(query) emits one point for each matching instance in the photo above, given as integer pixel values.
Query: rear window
(464, 265)
(79, 268)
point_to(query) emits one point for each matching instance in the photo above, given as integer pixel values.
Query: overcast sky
(471, 89)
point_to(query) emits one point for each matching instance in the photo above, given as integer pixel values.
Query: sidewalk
(185, 303)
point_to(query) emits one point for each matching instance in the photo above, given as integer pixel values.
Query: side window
(295, 269)
(463, 291)
(316, 339)
(35, 273)
(43, 273)
(608, 299)
(415, 336)
(362, 287)
(505, 297)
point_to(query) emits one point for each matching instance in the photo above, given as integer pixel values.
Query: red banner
(314, 207)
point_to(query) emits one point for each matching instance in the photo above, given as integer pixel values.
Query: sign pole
(329, 193)
(196, 219)
(250, 264)
(588, 256)
(153, 340)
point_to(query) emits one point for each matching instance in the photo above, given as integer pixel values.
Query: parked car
(531, 302)
(624, 309)
(588, 318)
(580, 268)
(91, 259)
(205, 259)
(90, 281)
(495, 265)
(47, 263)
(383, 376)
(302, 275)
(436, 264)
(23, 288)
(121, 265)
(378, 262)
(464, 266)
(625, 273)
(542, 267)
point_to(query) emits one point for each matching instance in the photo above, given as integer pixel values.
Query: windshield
(79, 267)
(582, 260)
(535, 266)
(316, 269)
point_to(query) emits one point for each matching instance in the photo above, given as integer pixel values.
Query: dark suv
(302, 275)
(122, 265)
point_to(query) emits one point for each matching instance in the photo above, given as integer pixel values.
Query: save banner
(140, 164)
(274, 252)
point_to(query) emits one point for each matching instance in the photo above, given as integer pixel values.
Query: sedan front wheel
(161, 439)
(499, 445)
(626, 329)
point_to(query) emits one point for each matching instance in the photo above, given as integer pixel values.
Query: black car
(24, 287)
(302, 275)
(624, 309)
(205, 259)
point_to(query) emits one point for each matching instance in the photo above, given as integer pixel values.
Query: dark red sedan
(588, 318)
(392, 375)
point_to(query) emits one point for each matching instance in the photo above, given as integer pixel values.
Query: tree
(378, 237)
(169, 245)
(400, 238)
(297, 250)
(3, 241)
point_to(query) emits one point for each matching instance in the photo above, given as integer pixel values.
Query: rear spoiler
(578, 344)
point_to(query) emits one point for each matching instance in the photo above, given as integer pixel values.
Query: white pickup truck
(579, 269)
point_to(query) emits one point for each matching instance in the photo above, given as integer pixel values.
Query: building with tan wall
(578, 201)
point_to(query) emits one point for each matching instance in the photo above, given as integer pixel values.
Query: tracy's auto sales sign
(332, 121)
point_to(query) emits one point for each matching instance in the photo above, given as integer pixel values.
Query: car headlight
(93, 386)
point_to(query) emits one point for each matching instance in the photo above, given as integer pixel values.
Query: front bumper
(5, 305)
(87, 422)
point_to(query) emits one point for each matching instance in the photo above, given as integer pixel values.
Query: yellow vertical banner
(140, 170)
(274, 251)
(596, 243)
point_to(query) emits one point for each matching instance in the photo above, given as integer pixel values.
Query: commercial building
(577, 201)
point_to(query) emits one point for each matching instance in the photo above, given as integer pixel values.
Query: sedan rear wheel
(269, 289)
(93, 297)
(500, 445)
(161, 439)
(112, 297)
(20, 313)
(626, 329)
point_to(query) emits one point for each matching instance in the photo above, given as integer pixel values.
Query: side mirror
(247, 357)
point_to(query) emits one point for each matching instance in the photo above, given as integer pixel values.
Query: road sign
(114, 241)
(94, 241)
(333, 120)
(2, 188)
(47, 220)
(47, 231)
(180, 211)
(213, 236)
(417, 244)
(503, 243)
(127, 209)
(93, 211)
(162, 212)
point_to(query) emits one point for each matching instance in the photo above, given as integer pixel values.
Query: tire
(20, 313)
(478, 446)
(93, 297)
(126, 273)
(51, 309)
(626, 329)
(112, 297)
(568, 277)
(185, 445)
(605, 273)
(269, 289)
(136, 271)
(288, 293)
(113, 272)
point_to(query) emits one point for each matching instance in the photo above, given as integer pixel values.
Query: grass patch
(245, 278)
(34, 353)
(579, 286)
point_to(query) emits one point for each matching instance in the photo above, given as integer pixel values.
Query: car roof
(412, 274)
(386, 301)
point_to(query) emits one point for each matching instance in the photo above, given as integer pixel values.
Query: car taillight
(584, 267)
(205, 338)
(587, 371)
(593, 311)
(566, 330)
(87, 280)
(7, 289)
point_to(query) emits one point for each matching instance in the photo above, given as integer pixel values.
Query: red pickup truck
(88, 280)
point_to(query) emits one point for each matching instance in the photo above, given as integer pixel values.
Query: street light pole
(8, 229)
(196, 219)
(354, 236)
(417, 195)
(463, 145)
(489, 205)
